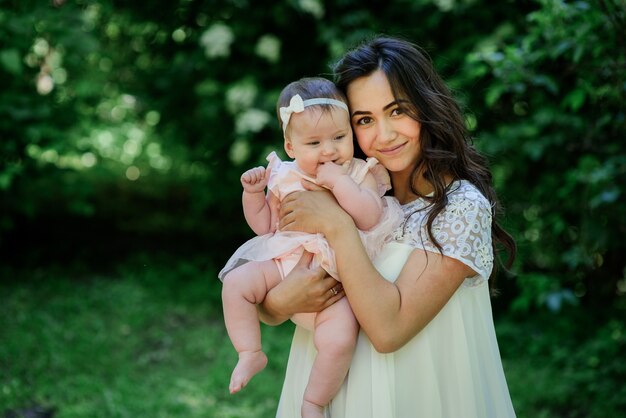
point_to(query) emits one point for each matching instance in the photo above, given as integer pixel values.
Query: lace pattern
(463, 229)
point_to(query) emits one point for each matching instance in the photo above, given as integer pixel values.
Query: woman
(427, 347)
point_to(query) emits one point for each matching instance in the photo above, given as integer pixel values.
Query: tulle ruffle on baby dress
(287, 247)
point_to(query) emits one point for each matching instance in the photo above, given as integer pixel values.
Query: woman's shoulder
(465, 201)
(464, 191)
(467, 212)
(462, 196)
(462, 229)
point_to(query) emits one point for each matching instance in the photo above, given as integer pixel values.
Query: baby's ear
(289, 148)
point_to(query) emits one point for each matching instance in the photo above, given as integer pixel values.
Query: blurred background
(124, 128)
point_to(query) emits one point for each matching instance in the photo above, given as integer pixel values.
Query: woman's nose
(386, 131)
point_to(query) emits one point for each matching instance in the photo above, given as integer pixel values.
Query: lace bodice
(463, 229)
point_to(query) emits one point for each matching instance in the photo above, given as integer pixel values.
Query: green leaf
(575, 99)
(11, 61)
(493, 94)
(606, 197)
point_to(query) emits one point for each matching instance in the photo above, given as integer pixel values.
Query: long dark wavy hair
(446, 147)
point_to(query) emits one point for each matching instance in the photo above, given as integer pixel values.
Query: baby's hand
(328, 173)
(254, 180)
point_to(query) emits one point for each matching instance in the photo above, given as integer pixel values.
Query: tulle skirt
(287, 247)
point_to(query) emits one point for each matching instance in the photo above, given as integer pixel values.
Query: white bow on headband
(297, 105)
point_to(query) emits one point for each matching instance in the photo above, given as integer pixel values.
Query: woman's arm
(303, 290)
(390, 313)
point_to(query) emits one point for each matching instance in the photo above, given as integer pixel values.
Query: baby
(315, 120)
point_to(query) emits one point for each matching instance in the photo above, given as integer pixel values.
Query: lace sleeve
(463, 229)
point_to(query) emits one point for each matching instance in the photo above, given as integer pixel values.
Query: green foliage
(167, 102)
(554, 97)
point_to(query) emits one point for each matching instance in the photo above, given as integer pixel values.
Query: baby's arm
(255, 205)
(361, 201)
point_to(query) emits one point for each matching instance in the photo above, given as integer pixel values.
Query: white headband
(297, 105)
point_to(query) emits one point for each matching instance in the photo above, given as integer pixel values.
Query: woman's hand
(312, 212)
(304, 289)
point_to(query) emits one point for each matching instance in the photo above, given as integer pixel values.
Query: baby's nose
(329, 148)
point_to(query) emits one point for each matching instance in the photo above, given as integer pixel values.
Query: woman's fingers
(305, 260)
(309, 185)
(287, 204)
(335, 293)
(286, 212)
(299, 211)
(324, 287)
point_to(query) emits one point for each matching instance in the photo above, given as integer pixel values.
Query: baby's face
(317, 136)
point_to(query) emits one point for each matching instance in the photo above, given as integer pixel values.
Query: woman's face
(382, 127)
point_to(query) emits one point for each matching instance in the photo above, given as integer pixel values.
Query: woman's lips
(392, 150)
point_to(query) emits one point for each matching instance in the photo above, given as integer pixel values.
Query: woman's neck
(405, 194)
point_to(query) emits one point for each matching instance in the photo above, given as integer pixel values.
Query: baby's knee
(243, 282)
(352, 331)
(344, 340)
(349, 323)
(342, 346)
(233, 280)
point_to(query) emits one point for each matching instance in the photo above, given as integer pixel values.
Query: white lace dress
(452, 368)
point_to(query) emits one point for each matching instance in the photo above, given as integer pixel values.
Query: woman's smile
(393, 150)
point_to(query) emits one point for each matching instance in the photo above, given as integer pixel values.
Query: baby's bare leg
(335, 335)
(243, 288)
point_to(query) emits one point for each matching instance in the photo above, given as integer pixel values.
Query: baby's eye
(313, 143)
(340, 137)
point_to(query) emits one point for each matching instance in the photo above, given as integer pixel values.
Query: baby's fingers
(254, 175)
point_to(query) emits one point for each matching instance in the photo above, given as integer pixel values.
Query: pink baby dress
(286, 247)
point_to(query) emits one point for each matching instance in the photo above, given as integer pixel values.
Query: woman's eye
(364, 121)
(397, 111)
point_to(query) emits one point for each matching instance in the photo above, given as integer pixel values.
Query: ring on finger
(333, 291)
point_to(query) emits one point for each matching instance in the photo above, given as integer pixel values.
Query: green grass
(567, 364)
(147, 339)
(144, 341)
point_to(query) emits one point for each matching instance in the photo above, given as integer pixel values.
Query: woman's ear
(289, 147)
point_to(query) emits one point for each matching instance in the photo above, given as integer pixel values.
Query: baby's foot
(312, 410)
(249, 364)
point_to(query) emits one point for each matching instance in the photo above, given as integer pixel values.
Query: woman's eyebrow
(387, 106)
(360, 112)
(395, 103)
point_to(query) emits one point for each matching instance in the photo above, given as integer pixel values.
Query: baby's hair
(309, 88)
